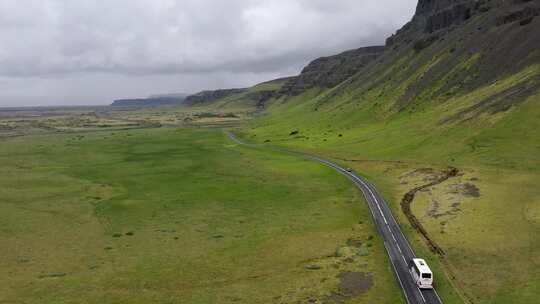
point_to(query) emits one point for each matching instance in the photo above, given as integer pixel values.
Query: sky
(64, 52)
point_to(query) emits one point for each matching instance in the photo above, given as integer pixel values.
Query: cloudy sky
(58, 52)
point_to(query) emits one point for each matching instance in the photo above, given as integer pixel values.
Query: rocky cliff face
(327, 72)
(461, 45)
(449, 48)
(210, 96)
(435, 15)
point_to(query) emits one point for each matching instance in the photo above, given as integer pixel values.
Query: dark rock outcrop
(327, 72)
(261, 97)
(434, 15)
(524, 15)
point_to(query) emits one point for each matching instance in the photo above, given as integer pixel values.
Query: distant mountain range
(152, 101)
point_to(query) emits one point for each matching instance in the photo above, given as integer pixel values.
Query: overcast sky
(58, 52)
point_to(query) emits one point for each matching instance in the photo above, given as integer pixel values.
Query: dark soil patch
(434, 212)
(424, 171)
(22, 260)
(313, 267)
(471, 190)
(52, 275)
(354, 243)
(352, 285)
(466, 189)
(430, 175)
(295, 132)
(355, 283)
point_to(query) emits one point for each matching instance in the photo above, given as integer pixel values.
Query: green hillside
(458, 86)
(252, 99)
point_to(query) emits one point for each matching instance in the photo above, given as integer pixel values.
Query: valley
(180, 215)
(210, 198)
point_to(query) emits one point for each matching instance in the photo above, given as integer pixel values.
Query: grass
(491, 240)
(177, 215)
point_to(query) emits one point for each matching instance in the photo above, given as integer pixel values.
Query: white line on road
(437, 295)
(397, 275)
(421, 294)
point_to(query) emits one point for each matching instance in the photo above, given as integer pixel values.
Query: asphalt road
(398, 248)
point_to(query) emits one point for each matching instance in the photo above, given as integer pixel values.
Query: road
(398, 248)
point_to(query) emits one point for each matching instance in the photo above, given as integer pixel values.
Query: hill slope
(458, 86)
(251, 99)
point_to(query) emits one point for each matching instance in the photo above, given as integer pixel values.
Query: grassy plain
(180, 215)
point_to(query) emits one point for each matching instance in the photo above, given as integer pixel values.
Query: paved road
(397, 246)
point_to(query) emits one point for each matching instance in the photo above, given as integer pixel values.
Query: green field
(180, 215)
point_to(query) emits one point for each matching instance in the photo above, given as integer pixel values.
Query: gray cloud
(89, 52)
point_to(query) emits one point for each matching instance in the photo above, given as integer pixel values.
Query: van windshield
(426, 275)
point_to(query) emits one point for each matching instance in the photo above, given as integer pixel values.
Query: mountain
(253, 98)
(327, 72)
(450, 47)
(457, 87)
(152, 101)
(206, 97)
(459, 46)
(460, 67)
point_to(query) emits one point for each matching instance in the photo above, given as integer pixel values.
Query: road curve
(398, 248)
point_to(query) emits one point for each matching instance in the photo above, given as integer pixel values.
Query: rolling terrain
(180, 215)
(157, 205)
(457, 89)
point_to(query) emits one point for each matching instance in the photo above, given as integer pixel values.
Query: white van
(422, 275)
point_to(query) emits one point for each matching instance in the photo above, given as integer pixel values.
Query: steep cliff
(327, 72)
(251, 99)
(449, 48)
(453, 47)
